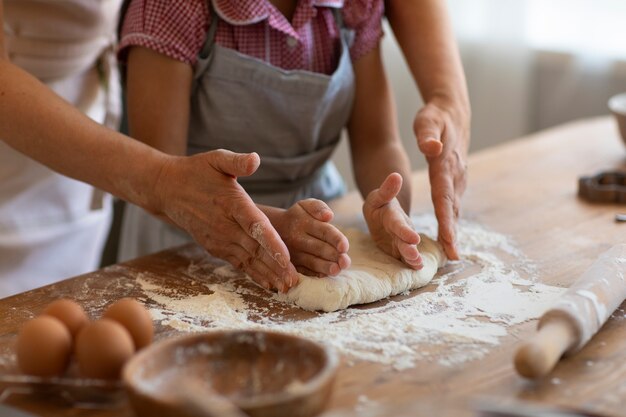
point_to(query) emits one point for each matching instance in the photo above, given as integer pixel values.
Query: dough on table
(373, 275)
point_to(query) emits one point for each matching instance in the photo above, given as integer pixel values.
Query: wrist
(457, 113)
(456, 105)
(149, 185)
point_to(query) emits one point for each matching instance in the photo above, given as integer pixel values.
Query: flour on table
(372, 276)
(461, 315)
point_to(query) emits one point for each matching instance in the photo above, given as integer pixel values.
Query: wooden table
(526, 189)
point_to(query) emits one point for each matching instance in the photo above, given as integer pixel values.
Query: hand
(200, 194)
(317, 248)
(443, 137)
(389, 225)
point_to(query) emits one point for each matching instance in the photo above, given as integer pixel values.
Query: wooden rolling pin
(577, 316)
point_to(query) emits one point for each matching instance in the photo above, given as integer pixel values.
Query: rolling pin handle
(539, 355)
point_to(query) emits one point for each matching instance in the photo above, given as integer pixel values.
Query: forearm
(374, 138)
(376, 147)
(38, 123)
(371, 169)
(424, 32)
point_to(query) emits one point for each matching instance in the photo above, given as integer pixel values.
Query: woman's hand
(443, 137)
(201, 195)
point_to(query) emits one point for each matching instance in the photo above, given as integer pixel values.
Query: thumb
(388, 190)
(234, 164)
(428, 134)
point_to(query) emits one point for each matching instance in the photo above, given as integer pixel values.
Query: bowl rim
(326, 373)
(614, 107)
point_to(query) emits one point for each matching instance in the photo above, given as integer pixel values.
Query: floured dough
(373, 275)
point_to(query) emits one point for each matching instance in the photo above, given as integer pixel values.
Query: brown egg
(131, 314)
(69, 312)
(44, 346)
(102, 349)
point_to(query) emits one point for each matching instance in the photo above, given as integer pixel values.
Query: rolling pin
(577, 316)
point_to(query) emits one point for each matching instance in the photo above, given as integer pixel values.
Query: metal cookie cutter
(606, 187)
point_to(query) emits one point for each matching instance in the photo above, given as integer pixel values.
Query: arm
(40, 124)
(424, 33)
(158, 90)
(379, 160)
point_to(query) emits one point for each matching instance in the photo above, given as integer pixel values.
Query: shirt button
(291, 42)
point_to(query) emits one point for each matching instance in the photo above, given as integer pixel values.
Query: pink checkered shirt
(177, 29)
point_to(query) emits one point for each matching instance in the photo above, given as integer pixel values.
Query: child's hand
(390, 227)
(315, 246)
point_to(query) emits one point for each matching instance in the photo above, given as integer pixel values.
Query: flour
(458, 317)
(364, 403)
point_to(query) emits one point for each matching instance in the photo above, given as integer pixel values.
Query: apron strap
(338, 18)
(206, 53)
(347, 34)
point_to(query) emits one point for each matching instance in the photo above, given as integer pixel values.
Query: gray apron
(292, 119)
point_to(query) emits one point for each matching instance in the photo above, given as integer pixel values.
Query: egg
(131, 314)
(102, 349)
(44, 346)
(69, 312)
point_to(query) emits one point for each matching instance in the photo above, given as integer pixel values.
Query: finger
(257, 273)
(234, 164)
(410, 255)
(397, 223)
(444, 204)
(314, 246)
(305, 271)
(331, 236)
(254, 255)
(447, 238)
(317, 209)
(428, 132)
(258, 227)
(344, 261)
(387, 191)
(316, 264)
(241, 258)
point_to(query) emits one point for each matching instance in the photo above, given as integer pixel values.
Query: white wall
(515, 87)
(494, 71)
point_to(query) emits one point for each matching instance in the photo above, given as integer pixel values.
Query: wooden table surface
(526, 189)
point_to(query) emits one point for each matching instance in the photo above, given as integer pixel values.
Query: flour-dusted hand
(317, 248)
(389, 225)
(443, 137)
(200, 194)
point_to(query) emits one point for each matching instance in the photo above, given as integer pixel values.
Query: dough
(372, 276)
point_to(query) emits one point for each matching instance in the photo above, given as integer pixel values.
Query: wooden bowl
(262, 373)
(617, 105)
